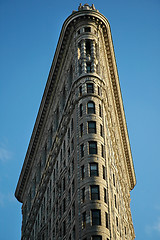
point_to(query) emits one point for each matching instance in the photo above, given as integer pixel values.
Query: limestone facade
(78, 172)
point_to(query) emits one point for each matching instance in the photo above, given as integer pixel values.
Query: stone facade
(78, 172)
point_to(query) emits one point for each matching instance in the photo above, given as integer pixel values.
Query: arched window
(91, 107)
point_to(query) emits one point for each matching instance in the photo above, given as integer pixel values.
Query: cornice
(98, 18)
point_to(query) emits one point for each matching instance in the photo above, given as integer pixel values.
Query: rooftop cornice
(50, 85)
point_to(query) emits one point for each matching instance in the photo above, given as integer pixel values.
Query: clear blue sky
(29, 32)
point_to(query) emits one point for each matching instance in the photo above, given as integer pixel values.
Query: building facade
(78, 171)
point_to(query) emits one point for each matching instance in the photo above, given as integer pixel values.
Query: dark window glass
(93, 169)
(102, 150)
(74, 233)
(104, 173)
(115, 201)
(91, 127)
(105, 195)
(99, 91)
(91, 107)
(64, 228)
(73, 187)
(96, 237)
(107, 226)
(114, 182)
(101, 130)
(83, 219)
(64, 205)
(82, 150)
(117, 221)
(100, 111)
(81, 110)
(92, 147)
(88, 67)
(81, 130)
(73, 209)
(72, 145)
(95, 192)
(87, 29)
(83, 195)
(80, 91)
(96, 217)
(72, 125)
(90, 88)
(83, 171)
(88, 48)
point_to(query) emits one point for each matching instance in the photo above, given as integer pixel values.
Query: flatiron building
(78, 171)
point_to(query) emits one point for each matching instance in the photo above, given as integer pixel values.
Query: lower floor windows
(96, 216)
(96, 237)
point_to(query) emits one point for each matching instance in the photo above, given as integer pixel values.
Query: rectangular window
(64, 184)
(105, 195)
(82, 150)
(91, 127)
(102, 150)
(81, 110)
(90, 88)
(92, 147)
(64, 205)
(81, 130)
(83, 195)
(101, 130)
(73, 209)
(88, 67)
(83, 220)
(72, 144)
(83, 172)
(115, 201)
(104, 172)
(73, 187)
(72, 125)
(96, 237)
(64, 228)
(117, 221)
(107, 225)
(80, 91)
(95, 192)
(93, 169)
(99, 91)
(114, 182)
(87, 29)
(96, 217)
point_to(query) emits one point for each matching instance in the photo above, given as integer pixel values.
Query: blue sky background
(29, 32)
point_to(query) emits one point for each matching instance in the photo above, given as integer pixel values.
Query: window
(105, 195)
(93, 169)
(64, 205)
(64, 228)
(69, 134)
(82, 150)
(80, 91)
(69, 216)
(100, 111)
(81, 130)
(80, 69)
(73, 209)
(83, 220)
(78, 31)
(96, 217)
(114, 182)
(87, 29)
(69, 195)
(95, 192)
(107, 225)
(90, 88)
(88, 67)
(74, 233)
(99, 91)
(102, 150)
(72, 125)
(72, 166)
(91, 107)
(83, 171)
(73, 187)
(69, 152)
(57, 118)
(101, 130)
(96, 237)
(81, 110)
(64, 184)
(83, 195)
(91, 127)
(115, 201)
(104, 174)
(63, 97)
(117, 221)
(72, 144)
(88, 47)
(92, 147)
